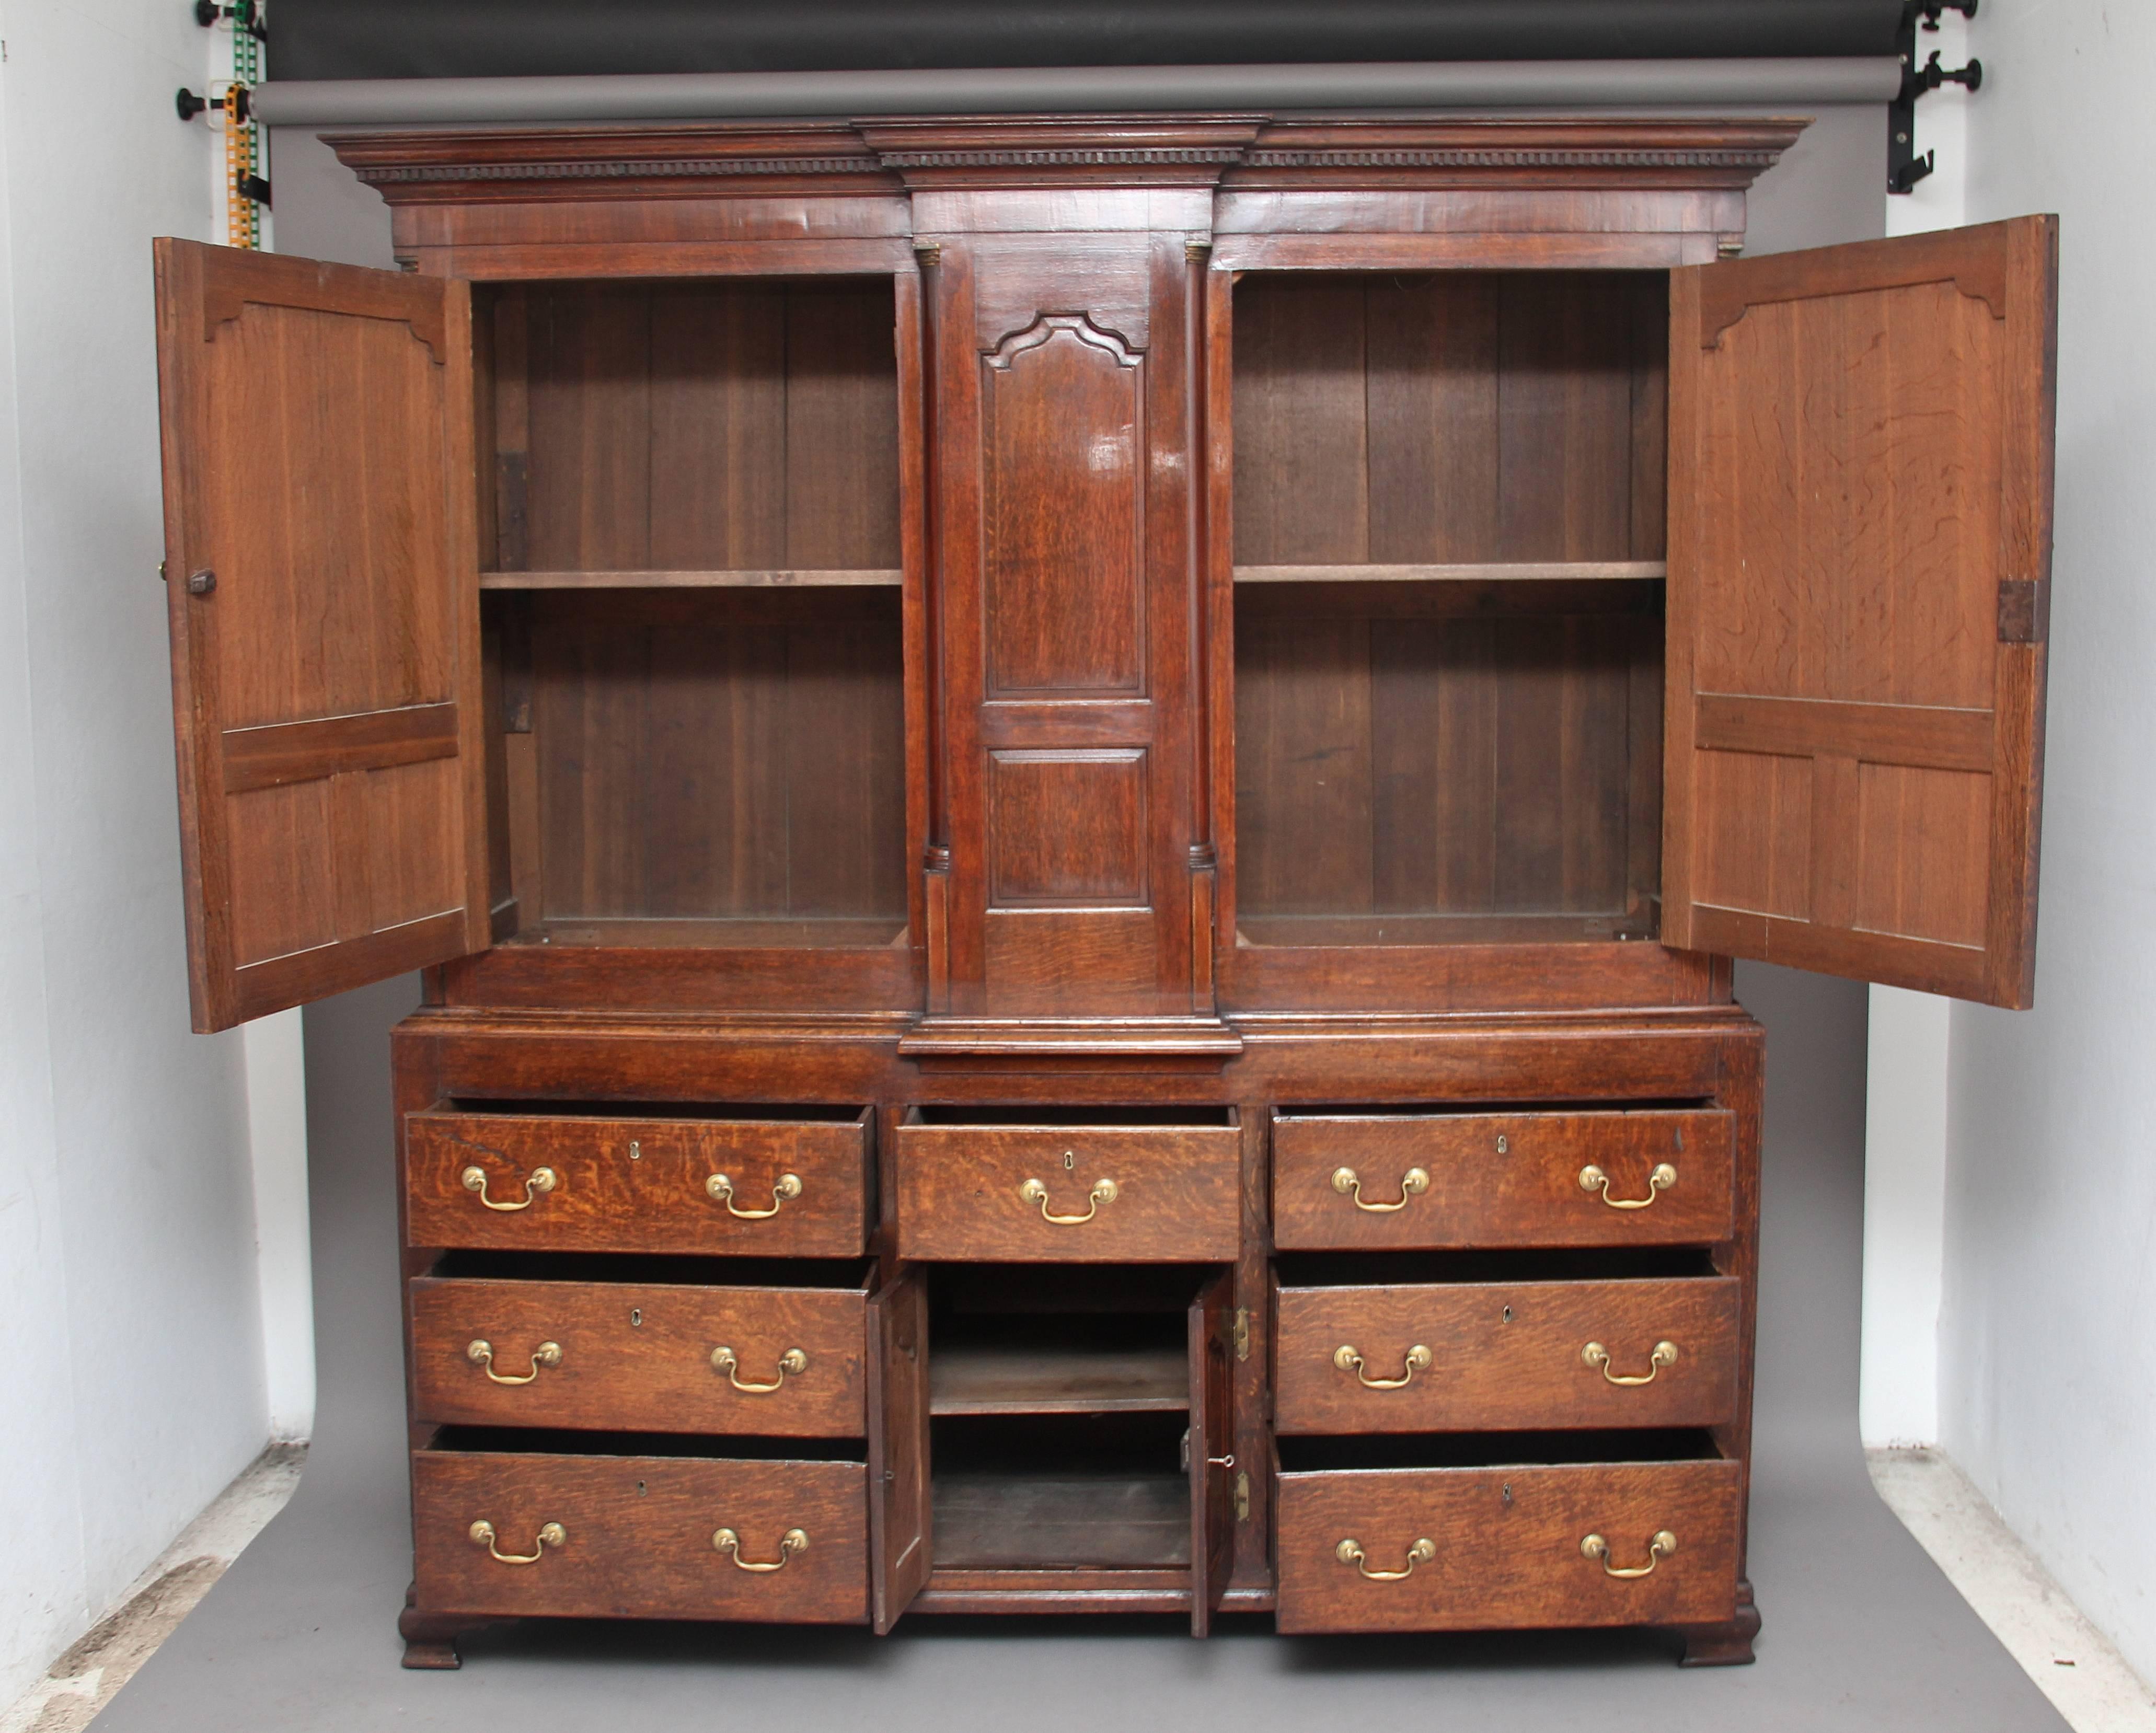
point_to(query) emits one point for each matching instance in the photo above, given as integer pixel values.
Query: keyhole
(636, 1317)
(1508, 1314)
(1508, 1492)
(640, 1489)
(635, 1150)
(1504, 1144)
(1069, 1161)
(1680, 1141)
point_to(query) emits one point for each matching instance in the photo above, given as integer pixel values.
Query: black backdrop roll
(484, 38)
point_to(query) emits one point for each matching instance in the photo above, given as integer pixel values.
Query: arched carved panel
(1063, 509)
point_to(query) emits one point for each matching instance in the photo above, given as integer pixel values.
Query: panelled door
(1065, 402)
(901, 1544)
(1859, 584)
(319, 554)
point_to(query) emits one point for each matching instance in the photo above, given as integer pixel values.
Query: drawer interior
(847, 1275)
(788, 1112)
(1056, 1117)
(1396, 1270)
(537, 1441)
(1481, 1450)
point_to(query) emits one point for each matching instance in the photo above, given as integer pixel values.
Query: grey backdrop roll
(720, 96)
(1862, 1632)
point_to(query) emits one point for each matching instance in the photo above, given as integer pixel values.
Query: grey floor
(1862, 1632)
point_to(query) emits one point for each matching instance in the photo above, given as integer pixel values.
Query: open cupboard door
(1212, 1450)
(1859, 586)
(899, 1542)
(320, 559)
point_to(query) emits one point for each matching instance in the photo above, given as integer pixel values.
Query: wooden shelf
(992, 1378)
(788, 580)
(1464, 929)
(1479, 572)
(1022, 1521)
(719, 933)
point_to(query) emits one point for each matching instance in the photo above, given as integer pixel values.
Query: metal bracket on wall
(1904, 166)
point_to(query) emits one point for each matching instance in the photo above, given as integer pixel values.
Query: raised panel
(1921, 849)
(1862, 557)
(1066, 829)
(1764, 866)
(1062, 504)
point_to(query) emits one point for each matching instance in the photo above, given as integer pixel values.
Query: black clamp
(1904, 166)
(188, 105)
(245, 15)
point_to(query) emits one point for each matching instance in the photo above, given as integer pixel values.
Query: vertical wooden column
(1069, 544)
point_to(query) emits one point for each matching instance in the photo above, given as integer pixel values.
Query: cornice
(1047, 150)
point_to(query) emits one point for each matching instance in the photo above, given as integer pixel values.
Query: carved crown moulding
(1233, 152)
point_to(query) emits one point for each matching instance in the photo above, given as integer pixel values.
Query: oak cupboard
(1077, 791)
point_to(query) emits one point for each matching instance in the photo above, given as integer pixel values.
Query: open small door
(1212, 1449)
(321, 558)
(1859, 585)
(899, 1543)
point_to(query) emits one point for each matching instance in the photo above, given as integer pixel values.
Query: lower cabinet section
(510, 1532)
(1507, 1546)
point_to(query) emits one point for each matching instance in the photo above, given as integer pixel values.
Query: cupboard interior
(1449, 562)
(691, 610)
(1058, 1407)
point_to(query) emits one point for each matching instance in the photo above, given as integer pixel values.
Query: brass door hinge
(1242, 1334)
(1242, 1497)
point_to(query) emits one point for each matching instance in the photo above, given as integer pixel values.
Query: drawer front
(634, 1537)
(1345, 1183)
(755, 1187)
(1507, 1356)
(1501, 1548)
(1088, 1194)
(639, 1358)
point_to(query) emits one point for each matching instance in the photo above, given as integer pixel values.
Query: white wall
(1905, 1133)
(131, 1368)
(2048, 1328)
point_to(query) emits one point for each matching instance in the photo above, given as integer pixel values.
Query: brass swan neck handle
(542, 1179)
(480, 1353)
(793, 1362)
(1595, 1354)
(1350, 1552)
(1417, 1359)
(791, 1541)
(720, 1188)
(552, 1535)
(1104, 1191)
(1663, 1544)
(1413, 1184)
(1594, 1179)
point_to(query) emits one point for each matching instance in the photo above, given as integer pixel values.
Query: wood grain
(1844, 447)
(639, 1185)
(901, 1518)
(637, 1357)
(639, 1536)
(1508, 1546)
(1507, 1356)
(1527, 1194)
(1021, 1521)
(1175, 1196)
(332, 774)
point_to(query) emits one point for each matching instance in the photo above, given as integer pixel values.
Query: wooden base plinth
(430, 1638)
(1724, 1645)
